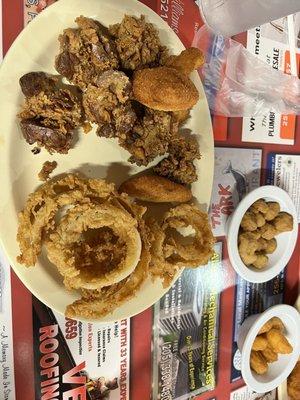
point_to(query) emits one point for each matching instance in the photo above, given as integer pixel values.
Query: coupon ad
(270, 44)
(252, 298)
(185, 338)
(7, 380)
(76, 359)
(284, 171)
(237, 172)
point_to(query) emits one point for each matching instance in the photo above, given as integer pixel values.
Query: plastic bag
(238, 84)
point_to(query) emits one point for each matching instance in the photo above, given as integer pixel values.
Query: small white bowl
(282, 391)
(279, 370)
(286, 241)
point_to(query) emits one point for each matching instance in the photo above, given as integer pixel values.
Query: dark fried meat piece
(34, 83)
(138, 43)
(149, 137)
(179, 165)
(86, 52)
(50, 138)
(108, 104)
(49, 114)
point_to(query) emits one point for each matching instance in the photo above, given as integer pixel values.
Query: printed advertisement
(7, 380)
(269, 43)
(185, 338)
(284, 171)
(237, 172)
(74, 358)
(244, 393)
(252, 298)
(33, 7)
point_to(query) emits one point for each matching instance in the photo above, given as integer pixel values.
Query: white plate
(286, 241)
(34, 50)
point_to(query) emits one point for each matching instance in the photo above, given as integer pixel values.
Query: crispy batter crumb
(47, 169)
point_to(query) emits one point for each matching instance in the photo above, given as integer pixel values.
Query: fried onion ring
(66, 238)
(168, 248)
(97, 303)
(38, 217)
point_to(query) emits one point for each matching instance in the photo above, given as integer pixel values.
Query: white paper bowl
(279, 370)
(285, 241)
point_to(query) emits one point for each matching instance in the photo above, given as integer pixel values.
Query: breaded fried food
(83, 262)
(273, 210)
(259, 205)
(37, 219)
(171, 249)
(258, 363)
(97, 303)
(155, 189)
(275, 323)
(107, 103)
(138, 44)
(269, 354)
(86, 52)
(248, 245)
(260, 343)
(261, 261)
(47, 168)
(179, 165)
(164, 89)
(149, 138)
(251, 221)
(293, 383)
(283, 222)
(267, 231)
(50, 113)
(187, 61)
(278, 342)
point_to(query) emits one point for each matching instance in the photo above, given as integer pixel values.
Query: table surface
(25, 315)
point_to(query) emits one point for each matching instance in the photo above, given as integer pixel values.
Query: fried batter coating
(37, 219)
(47, 168)
(164, 89)
(50, 112)
(283, 222)
(86, 52)
(267, 231)
(278, 342)
(269, 355)
(149, 137)
(275, 323)
(258, 363)
(169, 248)
(248, 245)
(261, 261)
(293, 383)
(108, 104)
(179, 165)
(259, 206)
(260, 343)
(138, 44)
(187, 61)
(273, 210)
(155, 189)
(97, 303)
(251, 221)
(94, 272)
